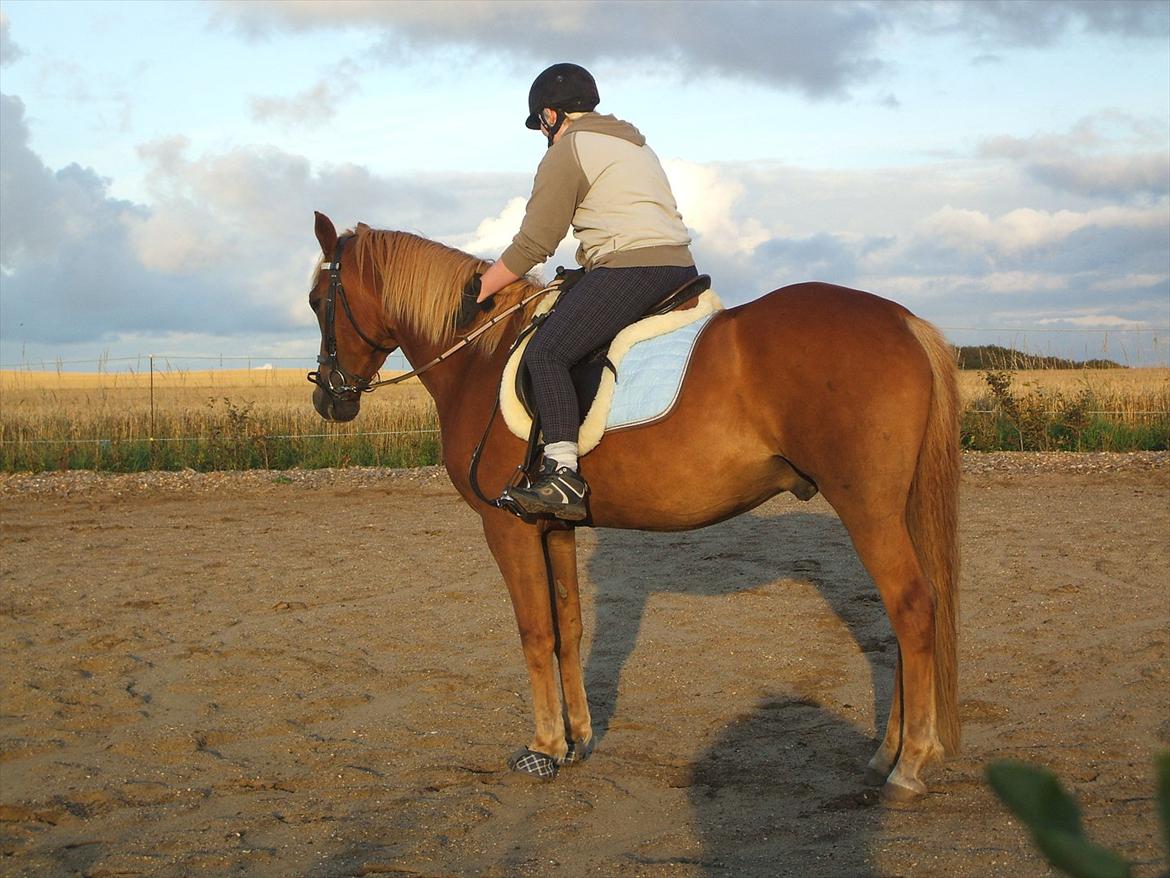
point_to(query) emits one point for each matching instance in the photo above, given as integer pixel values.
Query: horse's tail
(933, 518)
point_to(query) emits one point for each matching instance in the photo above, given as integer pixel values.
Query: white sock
(564, 453)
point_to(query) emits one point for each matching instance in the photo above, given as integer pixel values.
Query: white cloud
(1128, 282)
(822, 48)
(1095, 321)
(706, 199)
(1026, 228)
(9, 51)
(1110, 155)
(493, 235)
(312, 106)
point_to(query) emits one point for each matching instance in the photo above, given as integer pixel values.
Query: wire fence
(234, 410)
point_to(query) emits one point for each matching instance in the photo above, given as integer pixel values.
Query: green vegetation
(1065, 418)
(222, 433)
(216, 420)
(1036, 797)
(995, 357)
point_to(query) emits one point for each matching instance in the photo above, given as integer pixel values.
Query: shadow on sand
(788, 775)
(781, 793)
(751, 551)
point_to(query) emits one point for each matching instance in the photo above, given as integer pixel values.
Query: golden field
(284, 393)
(230, 418)
(275, 397)
(205, 419)
(1122, 390)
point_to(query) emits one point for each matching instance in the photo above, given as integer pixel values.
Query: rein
(349, 382)
(463, 342)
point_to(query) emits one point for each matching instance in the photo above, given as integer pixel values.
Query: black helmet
(565, 87)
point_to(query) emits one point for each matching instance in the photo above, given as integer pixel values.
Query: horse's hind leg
(911, 741)
(562, 554)
(883, 760)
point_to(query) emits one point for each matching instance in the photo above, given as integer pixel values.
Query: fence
(173, 411)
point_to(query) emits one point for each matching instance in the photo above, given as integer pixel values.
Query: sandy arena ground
(318, 674)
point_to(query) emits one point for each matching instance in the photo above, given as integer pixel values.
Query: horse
(812, 387)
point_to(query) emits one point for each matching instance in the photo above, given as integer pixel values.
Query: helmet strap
(556, 126)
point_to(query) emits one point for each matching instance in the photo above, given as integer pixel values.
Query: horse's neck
(463, 385)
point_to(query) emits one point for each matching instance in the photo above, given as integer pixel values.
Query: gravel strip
(189, 481)
(74, 482)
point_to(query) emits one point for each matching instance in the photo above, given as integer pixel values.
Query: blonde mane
(421, 282)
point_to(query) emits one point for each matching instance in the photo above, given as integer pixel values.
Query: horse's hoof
(537, 765)
(894, 793)
(578, 752)
(875, 777)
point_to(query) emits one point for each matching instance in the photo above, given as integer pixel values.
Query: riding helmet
(566, 87)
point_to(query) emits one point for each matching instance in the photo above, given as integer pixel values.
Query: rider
(599, 176)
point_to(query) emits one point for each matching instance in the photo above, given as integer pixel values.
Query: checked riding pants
(599, 306)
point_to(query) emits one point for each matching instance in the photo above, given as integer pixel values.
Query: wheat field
(1119, 390)
(204, 419)
(234, 418)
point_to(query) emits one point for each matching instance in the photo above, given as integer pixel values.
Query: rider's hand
(469, 305)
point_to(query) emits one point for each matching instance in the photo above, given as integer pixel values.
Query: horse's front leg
(562, 555)
(519, 552)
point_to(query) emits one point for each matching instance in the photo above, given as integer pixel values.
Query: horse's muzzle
(333, 408)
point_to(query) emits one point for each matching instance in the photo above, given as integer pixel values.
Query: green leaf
(1035, 796)
(1079, 857)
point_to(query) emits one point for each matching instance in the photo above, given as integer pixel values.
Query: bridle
(339, 383)
(336, 381)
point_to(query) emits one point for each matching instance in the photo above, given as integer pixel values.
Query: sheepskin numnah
(650, 358)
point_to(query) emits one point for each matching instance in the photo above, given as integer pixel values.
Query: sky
(1000, 168)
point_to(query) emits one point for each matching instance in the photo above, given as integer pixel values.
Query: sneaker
(557, 492)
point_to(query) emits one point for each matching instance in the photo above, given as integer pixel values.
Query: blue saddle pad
(649, 376)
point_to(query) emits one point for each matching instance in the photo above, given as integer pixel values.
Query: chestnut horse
(811, 387)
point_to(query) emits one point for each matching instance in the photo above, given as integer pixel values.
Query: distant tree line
(990, 356)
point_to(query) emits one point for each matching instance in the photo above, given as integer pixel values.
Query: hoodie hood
(614, 127)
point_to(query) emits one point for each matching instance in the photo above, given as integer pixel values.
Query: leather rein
(338, 382)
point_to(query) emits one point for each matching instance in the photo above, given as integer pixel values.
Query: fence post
(152, 403)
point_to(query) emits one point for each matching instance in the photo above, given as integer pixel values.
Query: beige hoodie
(604, 180)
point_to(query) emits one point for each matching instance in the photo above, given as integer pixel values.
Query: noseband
(331, 377)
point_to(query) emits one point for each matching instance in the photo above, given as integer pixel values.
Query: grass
(205, 420)
(1066, 410)
(263, 418)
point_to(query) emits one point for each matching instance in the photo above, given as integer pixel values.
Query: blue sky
(1002, 169)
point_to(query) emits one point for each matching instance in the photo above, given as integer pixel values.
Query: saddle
(588, 371)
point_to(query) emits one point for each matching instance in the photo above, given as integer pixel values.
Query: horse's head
(354, 337)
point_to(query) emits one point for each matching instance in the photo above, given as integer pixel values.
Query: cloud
(707, 199)
(494, 234)
(70, 270)
(312, 106)
(9, 51)
(817, 48)
(1045, 22)
(1025, 229)
(1105, 156)
(1094, 320)
(820, 48)
(224, 246)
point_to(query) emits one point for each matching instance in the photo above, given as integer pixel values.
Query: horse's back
(825, 378)
(829, 371)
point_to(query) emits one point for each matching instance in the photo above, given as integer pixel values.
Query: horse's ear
(326, 233)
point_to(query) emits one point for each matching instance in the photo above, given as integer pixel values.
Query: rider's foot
(557, 491)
